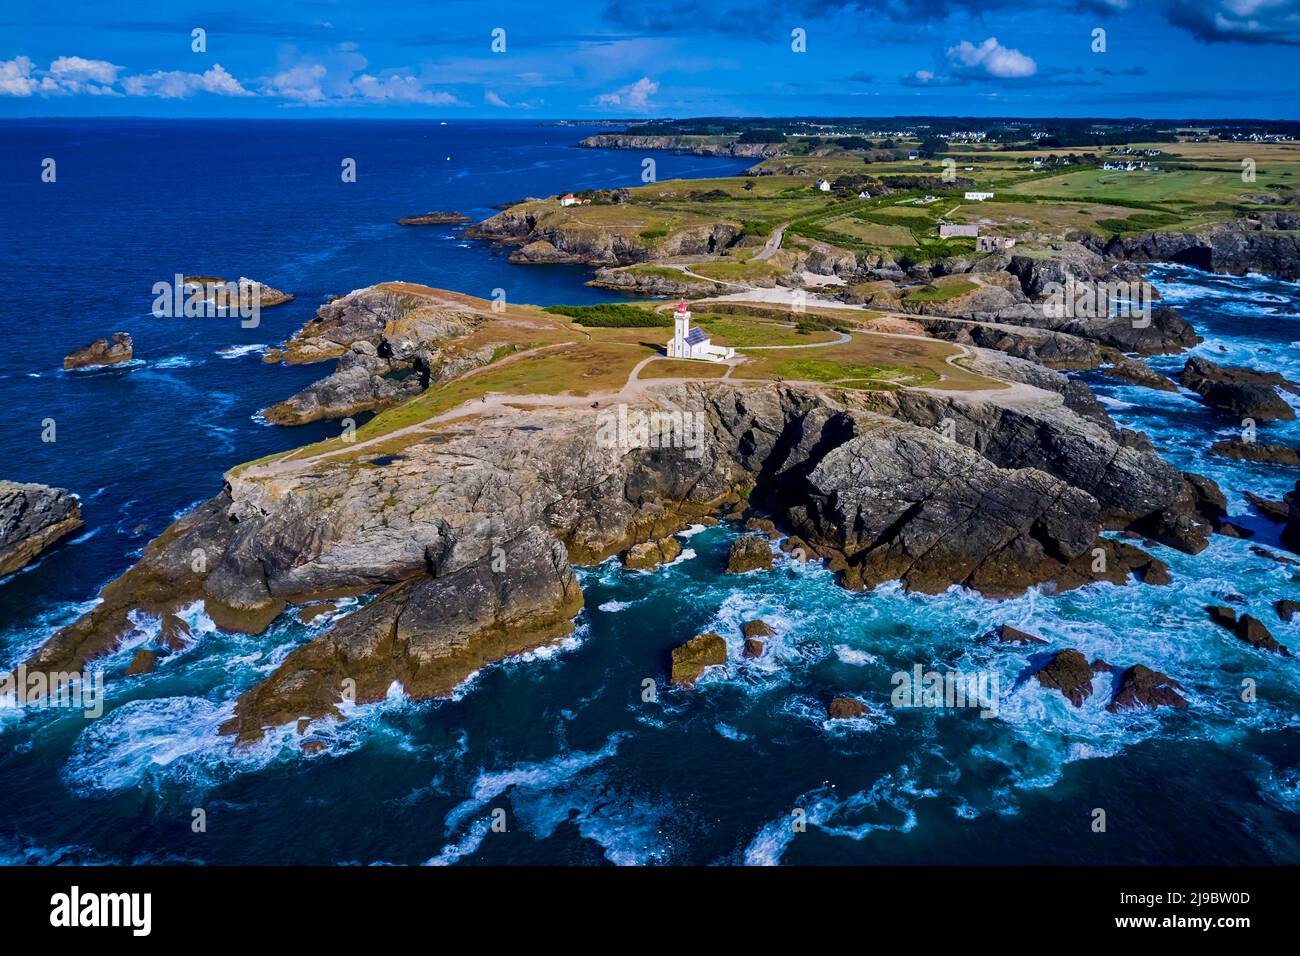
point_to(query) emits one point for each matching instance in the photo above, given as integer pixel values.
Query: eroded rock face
(32, 518)
(391, 344)
(1239, 391)
(690, 660)
(426, 634)
(1265, 243)
(101, 352)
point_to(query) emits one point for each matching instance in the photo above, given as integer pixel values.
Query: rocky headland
(466, 543)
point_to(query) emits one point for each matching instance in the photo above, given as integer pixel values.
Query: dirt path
(772, 244)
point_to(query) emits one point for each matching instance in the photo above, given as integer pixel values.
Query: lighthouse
(691, 343)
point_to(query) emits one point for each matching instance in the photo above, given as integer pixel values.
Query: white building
(979, 197)
(947, 231)
(864, 195)
(689, 343)
(568, 199)
(823, 185)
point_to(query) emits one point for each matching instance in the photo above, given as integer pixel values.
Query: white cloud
(301, 82)
(76, 69)
(993, 59)
(492, 99)
(634, 96)
(16, 77)
(399, 89)
(176, 84)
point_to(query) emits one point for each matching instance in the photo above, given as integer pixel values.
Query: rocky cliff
(391, 343)
(33, 517)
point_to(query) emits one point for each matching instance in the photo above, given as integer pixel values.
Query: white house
(823, 185)
(568, 199)
(689, 343)
(979, 197)
(864, 195)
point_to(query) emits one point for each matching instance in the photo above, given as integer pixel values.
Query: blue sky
(1162, 58)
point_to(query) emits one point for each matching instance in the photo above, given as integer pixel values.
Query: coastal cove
(560, 732)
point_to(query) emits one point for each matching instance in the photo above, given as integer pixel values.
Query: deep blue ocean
(561, 740)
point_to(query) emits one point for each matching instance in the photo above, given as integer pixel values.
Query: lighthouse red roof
(681, 306)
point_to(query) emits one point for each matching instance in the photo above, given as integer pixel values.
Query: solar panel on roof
(696, 337)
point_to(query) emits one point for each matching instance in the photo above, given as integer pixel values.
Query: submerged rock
(1139, 686)
(691, 658)
(753, 648)
(102, 352)
(32, 518)
(749, 553)
(1287, 609)
(1006, 634)
(757, 628)
(1068, 671)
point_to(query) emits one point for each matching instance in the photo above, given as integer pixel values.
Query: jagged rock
(1252, 630)
(1238, 391)
(691, 658)
(749, 553)
(650, 554)
(1006, 634)
(846, 708)
(32, 518)
(762, 526)
(1068, 672)
(1231, 530)
(757, 628)
(1270, 508)
(1099, 666)
(144, 662)
(1223, 616)
(1140, 686)
(1287, 609)
(1256, 451)
(101, 352)
(753, 648)
(1291, 530)
(174, 634)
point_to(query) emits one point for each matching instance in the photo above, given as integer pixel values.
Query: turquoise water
(585, 768)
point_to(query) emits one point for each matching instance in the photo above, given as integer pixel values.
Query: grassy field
(743, 332)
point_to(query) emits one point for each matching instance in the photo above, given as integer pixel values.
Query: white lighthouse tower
(691, 343)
